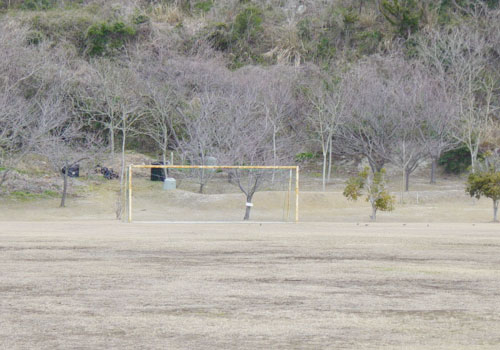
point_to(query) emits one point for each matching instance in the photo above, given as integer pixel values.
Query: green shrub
(456, 161)
(140, 19)
(37, 4)
(204, 6)
(368, 41)
(305, 156)
(325, 49)
(376, 190)
(486, 183)
(240, 37)
(104, 38)
(34, 37)
(349, 16)
(219, 36)
(404, 15)
(248, 23)
(304, 29)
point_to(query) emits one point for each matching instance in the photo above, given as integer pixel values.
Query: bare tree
(408, 85)
(201, 121)
(328, 107)
(160, 116)
(408, 152)
(368, 128)
(21, 68)
(279, 104)
(461, 55)
(245, 138)
(66, 147)
(60, 137)
(438, 115)
(13, 110)
(111, 96)
(108, 94)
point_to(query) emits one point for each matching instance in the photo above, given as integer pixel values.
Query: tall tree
(368, 128)
(461, 55)
(110, 95)
(328, 106)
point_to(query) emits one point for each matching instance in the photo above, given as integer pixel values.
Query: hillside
(389, 83)
(263, 32)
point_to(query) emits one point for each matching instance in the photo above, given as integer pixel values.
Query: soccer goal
(212, 193)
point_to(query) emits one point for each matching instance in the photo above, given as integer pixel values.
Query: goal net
(170, 193)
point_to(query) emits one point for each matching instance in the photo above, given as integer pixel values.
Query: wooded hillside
(249, 82)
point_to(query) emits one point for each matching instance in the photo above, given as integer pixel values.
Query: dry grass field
(107, 285)
(426, 276)
(442, 203)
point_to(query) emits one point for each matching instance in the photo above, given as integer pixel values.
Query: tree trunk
(495, 210)
(65, 186)
(202, 177)
(248, 207)
(122, 173)
(330, 160)
(112, 142)
(407, 180)
(324, 169)
(274, 152)
(122, 193)
(373, 217)
(473, 161)
(164, 160)
(433, 170)
(375, 166)
(4, 177)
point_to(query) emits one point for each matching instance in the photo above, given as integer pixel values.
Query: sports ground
(109, 285)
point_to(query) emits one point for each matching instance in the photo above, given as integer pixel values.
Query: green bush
(104, 38)
(248, 23)
(140, 19)
(456, 161)
(34, 37)
(485, 183)
(376, 190)
(305, 156)
(368, 41)
(204, 6)
(219, 36)
(304, 29)
(404, 15)
(325, 49)
(240, 37)
(37, 4)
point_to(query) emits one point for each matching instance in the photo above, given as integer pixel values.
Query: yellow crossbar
(211, 167)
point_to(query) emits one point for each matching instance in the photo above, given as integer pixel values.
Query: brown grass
(105, 285)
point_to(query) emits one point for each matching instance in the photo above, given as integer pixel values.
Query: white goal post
(213, 167)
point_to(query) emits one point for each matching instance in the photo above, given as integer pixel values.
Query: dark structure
(73, 171)
(158, 174)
